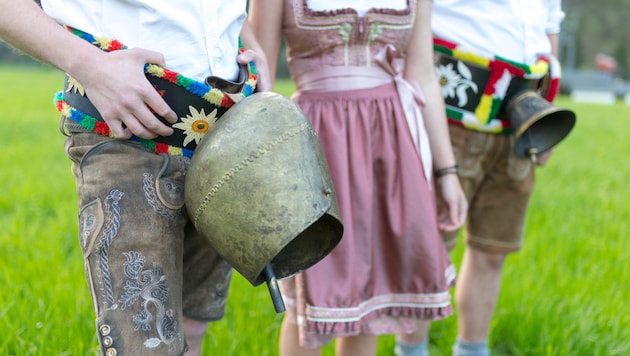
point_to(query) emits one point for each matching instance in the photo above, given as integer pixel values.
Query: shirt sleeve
(555, 15)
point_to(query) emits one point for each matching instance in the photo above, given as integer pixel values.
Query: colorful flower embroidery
(204, 91)
(91, 123)
(196, 125)
(454, 84)
(501, 70)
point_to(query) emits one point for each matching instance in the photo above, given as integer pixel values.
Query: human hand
(117, 87)
(541, 159)
(454, 205)
(264, 79)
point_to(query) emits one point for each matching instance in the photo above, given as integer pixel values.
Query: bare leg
(289, 341)
(476, 293)
(421, 333)
(360, 345)
(195, 331)
(415, 343)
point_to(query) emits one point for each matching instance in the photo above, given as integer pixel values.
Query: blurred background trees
(596, 27)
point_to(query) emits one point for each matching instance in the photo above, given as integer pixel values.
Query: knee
(495, 260)
(490, 260)
(194, 331)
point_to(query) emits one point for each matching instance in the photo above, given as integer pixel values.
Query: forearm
(553, 40)
(420, 69)
(249, 40)
(265, 17)
(126, 101)
(26, 27)
(437, 127)
(255, 53)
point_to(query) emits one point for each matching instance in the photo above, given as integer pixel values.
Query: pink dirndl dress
(390, 268)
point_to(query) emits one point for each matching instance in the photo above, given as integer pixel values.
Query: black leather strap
(178, 98)
(481, 76)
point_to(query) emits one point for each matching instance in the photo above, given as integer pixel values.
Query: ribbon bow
(412, 100)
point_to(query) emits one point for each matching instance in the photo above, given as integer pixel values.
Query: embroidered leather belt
(480, 76)
(197, 104)
(194, 112)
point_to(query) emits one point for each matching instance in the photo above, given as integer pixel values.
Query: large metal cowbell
(538, 125)
(258, 188)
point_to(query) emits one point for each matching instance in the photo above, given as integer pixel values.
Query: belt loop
(62, 126)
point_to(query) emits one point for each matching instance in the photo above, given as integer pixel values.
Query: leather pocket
(469, 147)
(170, 185)
(90, 224)
(518, 168)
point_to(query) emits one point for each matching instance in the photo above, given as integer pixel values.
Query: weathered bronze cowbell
(538, 124)
(258, 188)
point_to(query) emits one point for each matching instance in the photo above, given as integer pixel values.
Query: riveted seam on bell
(243, 163)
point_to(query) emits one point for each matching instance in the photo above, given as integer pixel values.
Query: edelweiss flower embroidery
(196, 124)
(454, 83)
(73, 84)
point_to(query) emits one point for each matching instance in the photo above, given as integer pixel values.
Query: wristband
(441, 172)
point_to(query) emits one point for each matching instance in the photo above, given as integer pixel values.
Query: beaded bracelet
(446, 170)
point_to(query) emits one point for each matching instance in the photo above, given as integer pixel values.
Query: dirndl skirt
(391, 267)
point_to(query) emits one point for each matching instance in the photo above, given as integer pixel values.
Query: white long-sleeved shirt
(197, 37)
(513, 29)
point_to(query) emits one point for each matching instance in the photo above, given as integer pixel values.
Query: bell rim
(529, 122)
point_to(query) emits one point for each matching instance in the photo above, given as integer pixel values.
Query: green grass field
(565, 293)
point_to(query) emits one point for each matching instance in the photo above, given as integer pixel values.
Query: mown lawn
(565, 293)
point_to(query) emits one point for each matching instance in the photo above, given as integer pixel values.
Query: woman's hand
(454, 206)
(541, 159)
(264, 81)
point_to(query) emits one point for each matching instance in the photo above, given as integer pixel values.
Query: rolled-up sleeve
(555, 15)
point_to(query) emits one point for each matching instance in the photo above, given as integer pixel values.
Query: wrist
(441, 172)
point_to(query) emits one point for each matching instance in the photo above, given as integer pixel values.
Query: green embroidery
(376, 29)
(344, 31)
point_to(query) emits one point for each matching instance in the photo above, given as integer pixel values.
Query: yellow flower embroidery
(73, 84)
(196, 125)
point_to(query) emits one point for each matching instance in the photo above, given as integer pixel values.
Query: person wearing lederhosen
(486, 51)
(145, 81)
